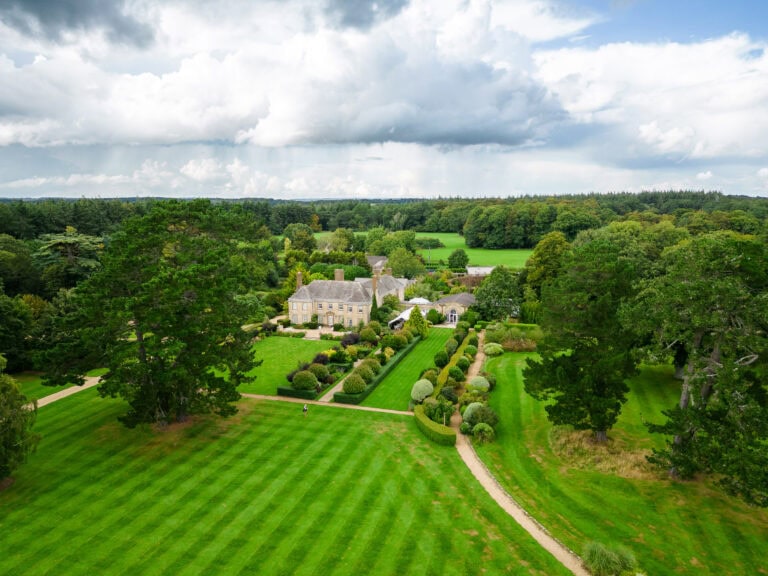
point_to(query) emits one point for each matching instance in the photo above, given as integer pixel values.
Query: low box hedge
(295, 393)
(438, 433)
(343, 398)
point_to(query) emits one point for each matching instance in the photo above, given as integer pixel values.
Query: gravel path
(90, 382)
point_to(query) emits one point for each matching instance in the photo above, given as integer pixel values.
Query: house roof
(463, 298)
(386, 284)
(418, 301)
(333, 291)
(377, 262)
(479, 270)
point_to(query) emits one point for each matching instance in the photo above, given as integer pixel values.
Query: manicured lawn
(267, 492)
(477, 256)
(672, 527)
(280, 356)
(32, 386)
(395, 391)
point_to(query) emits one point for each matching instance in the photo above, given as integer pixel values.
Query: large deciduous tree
(163, 315)
(586, 355)
(711, 303)
(17, 416)
(498, 297)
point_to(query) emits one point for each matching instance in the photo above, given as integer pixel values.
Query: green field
(280, 355)
(477, 256)
(672, 527)
(266, 492)
(395, 391)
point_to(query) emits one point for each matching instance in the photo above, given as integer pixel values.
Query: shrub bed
(295, 393)
(436, 432)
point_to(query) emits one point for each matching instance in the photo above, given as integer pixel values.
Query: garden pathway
(90, 382)
(479, 470)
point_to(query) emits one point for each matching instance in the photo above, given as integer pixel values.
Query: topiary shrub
(421, 389)
(473, 341)
(493, 349)
(394, 341)
(465, 428)
(463, 364)
(304, 380)
(479, 383)
(484, 414)
(371, 364)
(471, 350)
(430, 375)
(321, 358)
(470, 410)
(483, 433)
(375, 325)
(339, 356)
(365, 373)
(352, 352)
(320, 371)
(350, 338)
(456, 373)
(441, 358)
(449, 393)
(368, 335)
(439, 410)
(353, 384)
(450, 346)
(407, 334)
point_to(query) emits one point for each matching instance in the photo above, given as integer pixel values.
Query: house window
(360, 308)
(304, 318)
(330, 305)
(349, 309)
(303, 305)
(350, 322)
(294, 305)
(319, 306)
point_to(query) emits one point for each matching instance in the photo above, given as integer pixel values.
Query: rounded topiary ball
(480, 383)
(470, 410)
(304, 380)
(421, 389)
(353, 384)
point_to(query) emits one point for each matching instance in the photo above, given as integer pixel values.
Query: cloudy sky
(385, 98)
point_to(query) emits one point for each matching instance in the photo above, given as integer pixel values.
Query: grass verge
(672, 527)
(280, 356)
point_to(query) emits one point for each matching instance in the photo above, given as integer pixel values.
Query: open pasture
(265, 492)
(477, 256)
(672, 527)
(395, 391)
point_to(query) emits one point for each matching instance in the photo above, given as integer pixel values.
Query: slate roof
(333, 291)
(464, 298)
(386, 284)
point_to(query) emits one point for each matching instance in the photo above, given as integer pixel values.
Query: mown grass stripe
(176, 529)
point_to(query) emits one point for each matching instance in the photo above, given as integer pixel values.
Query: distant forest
(484, 222)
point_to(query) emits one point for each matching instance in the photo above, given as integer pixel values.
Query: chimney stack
(298, 280)
(338, 274)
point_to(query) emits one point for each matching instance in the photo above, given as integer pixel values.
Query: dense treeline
(486, 222)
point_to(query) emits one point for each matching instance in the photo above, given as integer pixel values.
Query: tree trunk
(601, 436)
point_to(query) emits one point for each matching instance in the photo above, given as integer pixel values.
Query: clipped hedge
(294, 393)
(438, 433)
(342, 398)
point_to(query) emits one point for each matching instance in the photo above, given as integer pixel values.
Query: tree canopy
(17, 416)
(163, 316)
